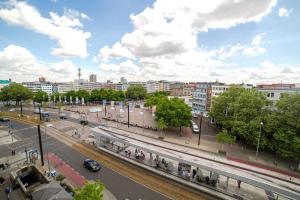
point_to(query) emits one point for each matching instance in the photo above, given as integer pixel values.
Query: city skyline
(190, 41)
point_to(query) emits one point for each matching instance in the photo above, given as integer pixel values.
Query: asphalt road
(120, 186)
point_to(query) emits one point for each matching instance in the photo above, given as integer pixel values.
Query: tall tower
(79, 74)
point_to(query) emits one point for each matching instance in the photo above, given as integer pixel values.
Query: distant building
(76, 85)
(93, 78)
(123, 80)
(152, 87)
(109, 81)
(203, 94)
(181, 89)
(199, 104)
(121, 87)
(47, 87)
(136, 83)
(274, 91)
(164, 86)
(42, 79)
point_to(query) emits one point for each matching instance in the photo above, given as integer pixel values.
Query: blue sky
(253, 41)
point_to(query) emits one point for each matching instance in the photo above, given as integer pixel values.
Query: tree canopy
(241, 111)
(136, 92)
(173, 112)
(40, 96)
(15, 92)
(90, 191)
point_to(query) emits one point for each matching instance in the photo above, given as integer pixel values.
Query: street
(120, 186)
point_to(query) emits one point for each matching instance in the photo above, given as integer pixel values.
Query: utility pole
(21, 108)
(128, 115)
(200, 129)
(40, 113)
(41, 145)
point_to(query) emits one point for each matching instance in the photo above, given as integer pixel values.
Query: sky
(232, 41)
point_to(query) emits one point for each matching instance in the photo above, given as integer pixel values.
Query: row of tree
(17, 92)
(244, 114)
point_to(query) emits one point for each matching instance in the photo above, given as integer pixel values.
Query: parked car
(91, 165)
(12, 110)
(83, 120)
(4, 119)
(62, 116)
(195, 128)
(195, 115)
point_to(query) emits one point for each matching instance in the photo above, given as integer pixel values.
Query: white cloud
(71, 40)
(283, 12)
(164, 39)
(117, 51)
(21, 65)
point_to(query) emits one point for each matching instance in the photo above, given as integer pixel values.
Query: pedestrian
(194, 173)
(129, 152)
(126, 153)
(239, 183)
(7, 191)
(7, 164)
(12, 152)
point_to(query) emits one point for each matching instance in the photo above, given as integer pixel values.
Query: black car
(91, 165)
(62, 116)
(4, 119)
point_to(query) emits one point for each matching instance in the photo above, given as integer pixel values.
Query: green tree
(4, 94)
(69, 94)
(16, 92)
(161, 124)
(173, 112)
(224, 138)
(83, 94)
(40, 96)
(55, 96)
(285, 123)
(90, 191)
(136, 92)
(240, 111)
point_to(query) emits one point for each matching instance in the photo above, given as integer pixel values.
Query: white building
(93, 78)
(47, 87)
(122, 86)
(275, 94)
(199, 98)
(152, 87)
(78, 85)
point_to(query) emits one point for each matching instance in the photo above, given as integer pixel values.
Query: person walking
(7, 191)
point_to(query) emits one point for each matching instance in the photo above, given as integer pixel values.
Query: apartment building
(47, 87)
(274, 91)
(164, 86)
(152, 87)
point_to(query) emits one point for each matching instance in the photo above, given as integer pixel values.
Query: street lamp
(48, 125)
(260, 127)
(200, 128)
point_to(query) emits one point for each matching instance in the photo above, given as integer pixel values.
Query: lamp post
(260, 127)
(200, 129)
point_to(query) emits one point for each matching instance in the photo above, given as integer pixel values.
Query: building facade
(121, 87)
(47, 87)
(93, 78)
(152, 87)
(164, 86)
(273, 92)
